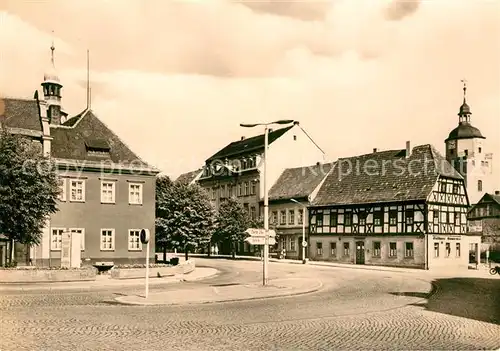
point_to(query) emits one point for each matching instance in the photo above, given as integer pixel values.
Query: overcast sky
(175, 78)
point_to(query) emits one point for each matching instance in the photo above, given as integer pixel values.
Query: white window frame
(113, 192)
(82, 237)
(58, 243)
(132, 247)
(82, 181)
(130, 185)
(63, 186)
(112, 230)
(393, 253)
(409, 252)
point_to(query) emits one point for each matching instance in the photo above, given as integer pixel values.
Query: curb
(120, 283)
(292, 294)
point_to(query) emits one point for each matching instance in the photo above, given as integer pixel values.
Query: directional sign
(258, 232)
(260, 240)
(304, 244)
(144, 236)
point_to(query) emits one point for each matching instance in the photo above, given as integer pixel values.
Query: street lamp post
(266, 198)
(303, 229)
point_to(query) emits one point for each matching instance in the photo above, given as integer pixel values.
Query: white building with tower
(466, 151)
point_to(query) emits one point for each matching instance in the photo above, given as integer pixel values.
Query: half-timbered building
(393, 208)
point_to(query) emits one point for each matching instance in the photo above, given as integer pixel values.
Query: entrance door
(360, 252)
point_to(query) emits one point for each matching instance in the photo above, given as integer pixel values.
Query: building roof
(465, 131)
(299, 182)
(75, 137)
(386, 176)
(253, 144)
(188, 177)
(20, 113)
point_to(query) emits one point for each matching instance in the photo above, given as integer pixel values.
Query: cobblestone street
(355, 309)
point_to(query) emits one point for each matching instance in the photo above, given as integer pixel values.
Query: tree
(29, 188)
(232, 222)
(184, 215)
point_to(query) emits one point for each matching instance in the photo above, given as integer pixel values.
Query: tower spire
(464, 114)
(464, 81)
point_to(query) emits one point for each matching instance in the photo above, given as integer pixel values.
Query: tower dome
(50, 75)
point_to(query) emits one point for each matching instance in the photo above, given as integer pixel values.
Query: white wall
(287, 152)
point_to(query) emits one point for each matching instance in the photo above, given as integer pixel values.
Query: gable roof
(88, 131)
(252, 144)
(386, 176)
(299, 182)
(188, 177)
(75, 137)
(487, 197)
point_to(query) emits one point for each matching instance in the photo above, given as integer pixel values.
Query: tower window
(479, 185)
(479, 150)
(466, 152)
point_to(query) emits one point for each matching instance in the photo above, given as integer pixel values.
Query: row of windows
(378, 218)
(107, 236)
(287, 217)
(108, 191)
(218, 167)
(241, 189)
(288, 243)
(376, 253)
(447, 250)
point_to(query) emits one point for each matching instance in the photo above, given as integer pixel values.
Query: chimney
(408, 149)
(497, 192)
(374, 150)
(243, 137)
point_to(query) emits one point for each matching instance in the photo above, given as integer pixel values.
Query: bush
(174, 261)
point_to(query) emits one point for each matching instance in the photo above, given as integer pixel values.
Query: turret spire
(52, 89)
(52, 49)
(464, 114)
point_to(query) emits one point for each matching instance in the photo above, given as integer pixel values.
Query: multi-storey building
(484, 219)
(465, 149)
(237, 169)
(288, 200)
(107, 192)
(396, 208)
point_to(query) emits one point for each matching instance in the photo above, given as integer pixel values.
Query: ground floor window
(376, 248)
(436, 249)
(447, 250)
(409, 249)
(292, 243)
(134, 242)
(347, 249)
(393, 252)
(333, 249)
(107, 239)
(319, 249)
(457, 254)
(56, 240)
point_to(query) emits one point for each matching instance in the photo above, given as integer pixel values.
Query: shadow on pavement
(472, 298)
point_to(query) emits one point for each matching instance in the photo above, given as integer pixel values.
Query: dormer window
(97, 147)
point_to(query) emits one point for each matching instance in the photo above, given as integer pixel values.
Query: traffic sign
(260, 240)
(304, 244)
(144, 236)
(259, 232)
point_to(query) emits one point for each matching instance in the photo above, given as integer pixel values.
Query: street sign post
(260, 240)
(145, 237)
(259, 232)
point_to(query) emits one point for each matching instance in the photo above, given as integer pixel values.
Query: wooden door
(360, 252)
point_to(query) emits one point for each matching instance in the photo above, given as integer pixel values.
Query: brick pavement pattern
(355, 310)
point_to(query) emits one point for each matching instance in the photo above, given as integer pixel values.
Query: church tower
(52, 93)
(465, 151)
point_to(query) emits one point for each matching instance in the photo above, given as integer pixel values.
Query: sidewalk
(481, 272)
(103, 281)
(226, 293)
